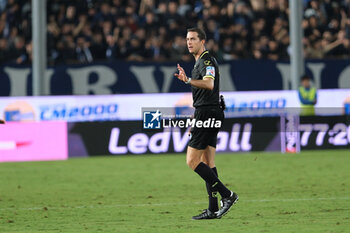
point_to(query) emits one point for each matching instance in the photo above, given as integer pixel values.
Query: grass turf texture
(307, 192)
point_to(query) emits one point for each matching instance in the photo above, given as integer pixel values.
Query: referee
(202, 146)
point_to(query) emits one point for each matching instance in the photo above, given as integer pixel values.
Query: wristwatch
(188, 80)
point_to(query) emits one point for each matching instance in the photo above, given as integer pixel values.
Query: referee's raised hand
(181, 75)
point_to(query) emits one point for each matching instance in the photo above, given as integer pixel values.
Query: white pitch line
(169, 204)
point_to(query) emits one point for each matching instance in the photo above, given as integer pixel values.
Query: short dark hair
(305, 77)
(200, 32)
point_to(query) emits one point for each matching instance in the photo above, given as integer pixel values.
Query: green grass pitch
(307, 192)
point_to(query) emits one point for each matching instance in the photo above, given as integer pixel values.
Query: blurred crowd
(85, 31)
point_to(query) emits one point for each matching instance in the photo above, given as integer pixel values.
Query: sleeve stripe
(209, 76)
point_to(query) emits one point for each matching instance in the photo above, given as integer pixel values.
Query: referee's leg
(208, 157)
(193, 159)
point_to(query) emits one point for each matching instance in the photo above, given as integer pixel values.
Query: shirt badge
(210, 71)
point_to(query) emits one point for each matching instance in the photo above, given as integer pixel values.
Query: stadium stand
(85, 31)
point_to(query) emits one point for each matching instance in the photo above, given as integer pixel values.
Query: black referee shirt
(206, 67)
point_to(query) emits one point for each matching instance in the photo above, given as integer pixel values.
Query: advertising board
(33, 141)
(128, 137)
(128, 106)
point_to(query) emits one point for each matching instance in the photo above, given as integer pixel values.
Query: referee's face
(194, 44)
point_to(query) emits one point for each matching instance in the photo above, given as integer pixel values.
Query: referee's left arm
(205, 83)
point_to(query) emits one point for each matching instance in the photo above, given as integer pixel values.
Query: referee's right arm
(206, 83)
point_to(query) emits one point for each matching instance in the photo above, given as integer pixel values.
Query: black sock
(215, 171)
(209, 176)
(212, 195)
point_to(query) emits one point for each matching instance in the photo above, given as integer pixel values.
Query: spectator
(98, 47)
(3, 50)
(66, 50)
(17, 53)
(184, 8)
(214, 49)
(135, 50)
(82, 50)
(85, 31)
(178, 49)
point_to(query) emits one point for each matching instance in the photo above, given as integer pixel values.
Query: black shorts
(203, 137)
